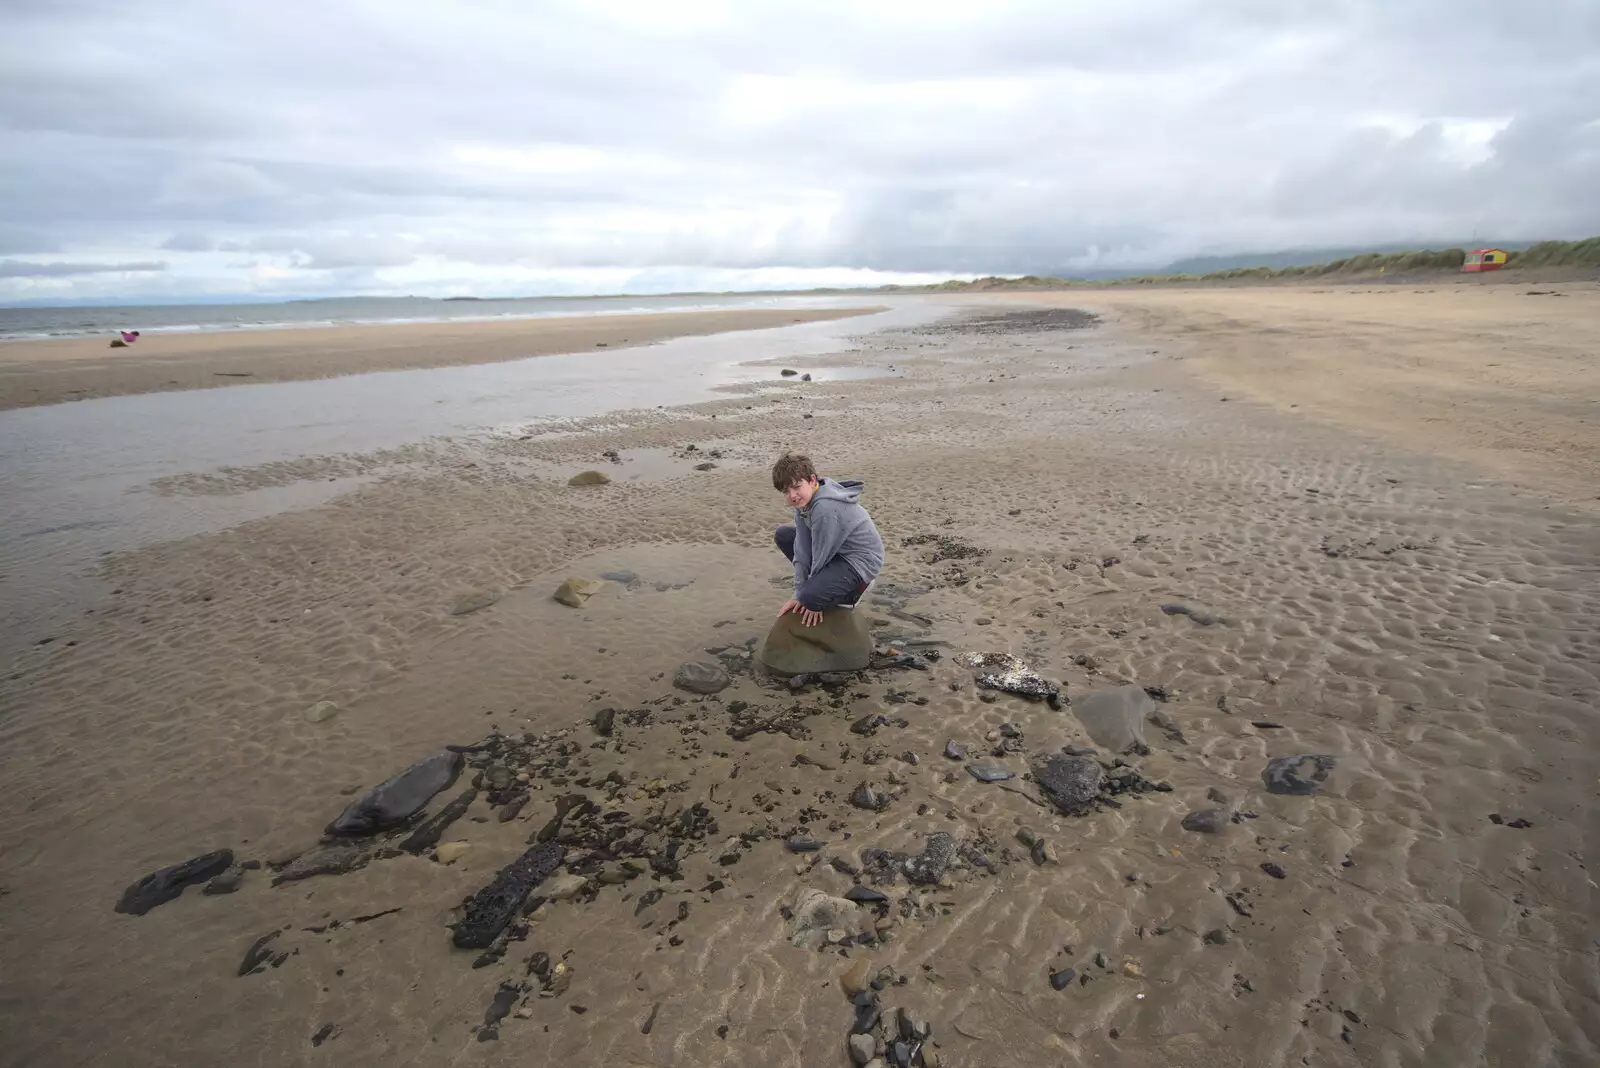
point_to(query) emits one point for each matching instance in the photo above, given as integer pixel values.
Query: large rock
(575, 591)
(1299, 776)
(841, 642)
(163, 885)
(1115, 718)
(393, 802)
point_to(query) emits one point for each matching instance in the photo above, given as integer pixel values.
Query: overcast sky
(175, 148)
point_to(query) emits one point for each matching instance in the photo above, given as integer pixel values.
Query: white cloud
(499, 145)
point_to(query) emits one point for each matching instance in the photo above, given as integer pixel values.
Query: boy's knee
(783, 537)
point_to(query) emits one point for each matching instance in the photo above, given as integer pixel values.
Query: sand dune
(1380, 597)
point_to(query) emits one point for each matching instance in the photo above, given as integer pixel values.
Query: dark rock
(1500, 821)
(257, 956)
(954, 751)
(868, 725)
(929, 866)
(1072, 784)
(990, 774)
(1214, 794)
(802, 845)
(1273, 870)
(604, 720)
(862, 895)
(650, 1021)
(707, 466)
(806, 377)
(393, 802)
(163, 885)
(1297, 775)
(1079, 750)
(427, 835)
(511, 809)
(1115, 718)
(492, 907)
(1008, 674)
(499, 1008)
(1060, 980)
(701, 677)
(788, 372)
(1265, 725)
(336, 858)
(324, 1033)
(1206, 821)
(1216, 937)
(864, 796)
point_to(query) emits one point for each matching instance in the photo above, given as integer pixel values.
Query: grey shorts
(835, 584)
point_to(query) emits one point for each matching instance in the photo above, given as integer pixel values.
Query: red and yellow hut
(1485, 259)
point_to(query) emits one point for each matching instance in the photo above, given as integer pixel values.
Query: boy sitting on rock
(833, 543)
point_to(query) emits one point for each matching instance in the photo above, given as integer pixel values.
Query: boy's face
(799, 494)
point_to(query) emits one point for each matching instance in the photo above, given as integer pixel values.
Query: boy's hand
(807, 616)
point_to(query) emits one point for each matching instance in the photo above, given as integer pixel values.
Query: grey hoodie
(835, 524)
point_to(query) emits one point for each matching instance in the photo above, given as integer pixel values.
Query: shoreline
(42, 372)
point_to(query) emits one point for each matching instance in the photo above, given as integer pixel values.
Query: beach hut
(1485, 259)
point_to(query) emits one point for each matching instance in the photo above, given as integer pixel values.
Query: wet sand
(1385, 601)
(49, 372)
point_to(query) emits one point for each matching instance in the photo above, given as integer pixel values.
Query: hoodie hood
(845, 491)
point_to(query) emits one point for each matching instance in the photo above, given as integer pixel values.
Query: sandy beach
(1351, 525)
(65, 369)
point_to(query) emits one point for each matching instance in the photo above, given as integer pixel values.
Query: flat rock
(1206, 821)
(473, 600)
(321, 712)
(841, 642)
(698, 676)
(589, 478)
(164, 884)
(814, 913)
(450, 852)
(1072, 784)
(563, 887)
(226, 883)
(929, 866)
(1297, 775)
(575, 591)
(1115, 718)
(854, 979)
(990, 774)
(336, 858)
(396, 800)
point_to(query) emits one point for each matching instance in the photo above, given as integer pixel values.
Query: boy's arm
(802, 553)
(828, 530)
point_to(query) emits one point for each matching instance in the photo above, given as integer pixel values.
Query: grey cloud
(24, 269)
(1009, 137)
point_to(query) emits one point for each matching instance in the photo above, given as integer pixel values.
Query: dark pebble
(802, 845)
(1273, 870)
(954, 751)
(1206, 821)
(1061, 979)
(862, 895)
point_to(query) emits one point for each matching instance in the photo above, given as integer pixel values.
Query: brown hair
(791, 469)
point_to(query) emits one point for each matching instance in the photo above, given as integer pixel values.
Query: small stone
(863, 796)
(589, 478)
(226, 883)
(990, 774)
(788, 372)
(450, 852)
(1273, 870)
(1062, 979)
(563, 887)
(473, 600)
(604, 721)
(1043, 853)
(1215, 937)
(321, 712)
(1132, 969)
(802, 845)
(1206, 821)
(575, 591)
(862, 1048)
(954, 751)
(856, 978)
(863, 895)
(701, 677)
(1299, 776)
(1216, 795)
(1027, 836)
(1078, 750)
(838, 936)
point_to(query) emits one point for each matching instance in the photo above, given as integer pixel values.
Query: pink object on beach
(130, 336)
